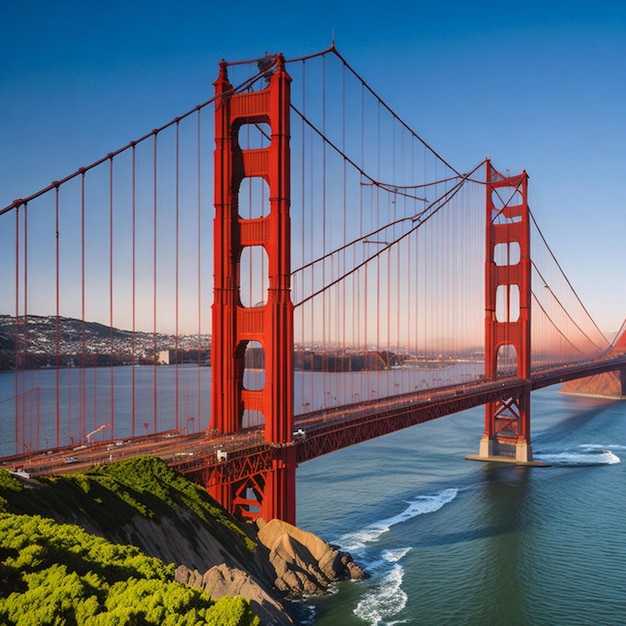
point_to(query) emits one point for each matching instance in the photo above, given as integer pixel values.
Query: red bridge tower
(507, 315)
(271, 323)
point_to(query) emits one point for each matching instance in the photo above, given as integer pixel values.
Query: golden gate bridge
(352, 281)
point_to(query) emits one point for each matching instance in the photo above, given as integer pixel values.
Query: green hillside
(53, 572)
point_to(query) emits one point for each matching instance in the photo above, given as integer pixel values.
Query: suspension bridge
(285, 270)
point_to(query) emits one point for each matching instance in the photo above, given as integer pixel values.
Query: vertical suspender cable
(431, 270)
(342, 270)
(409, 265)
(422, 268)
(248, 417)
(57, 373)
(16, 326)
(177, 271)
(378, 376)
(25, 318)
(133, 289)
(443, 313)
(154, 284)
(457, 216)
(412, 273)
(363, 302)
(305, 387)
(199, 270)
(325, 311)
(295, 287)
(438, 278)
(399, 300)
(82, 385)
(112, 356)
(389, 255)
(459, 226)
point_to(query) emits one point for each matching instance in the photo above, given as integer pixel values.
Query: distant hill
(39, 341)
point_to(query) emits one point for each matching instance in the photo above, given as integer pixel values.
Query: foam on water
(597, 446)
(354, 542)
(393, 556)
(385, 597)
(582, 456)
(499, 515)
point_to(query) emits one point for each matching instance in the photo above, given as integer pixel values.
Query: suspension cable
(564, 275)
(388, 246)
(558, 301)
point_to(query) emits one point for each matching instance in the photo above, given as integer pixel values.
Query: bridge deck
(315, 433)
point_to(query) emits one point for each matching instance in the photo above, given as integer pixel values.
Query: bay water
(451, 541)
(444, 540)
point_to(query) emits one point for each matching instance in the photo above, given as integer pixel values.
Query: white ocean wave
(421, 505)
(599, 446)
(393, 556)
(384, 600)
(584, 455)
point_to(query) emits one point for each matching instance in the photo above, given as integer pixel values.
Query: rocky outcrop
(143, 502)
(304, 563)
(607, 385)
(301, 564)
(222, 580)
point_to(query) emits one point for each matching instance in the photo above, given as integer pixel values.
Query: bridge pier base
(516, 453)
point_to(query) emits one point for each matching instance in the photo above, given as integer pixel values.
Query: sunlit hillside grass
(57, 573)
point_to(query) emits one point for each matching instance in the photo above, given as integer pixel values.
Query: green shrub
(59, 574)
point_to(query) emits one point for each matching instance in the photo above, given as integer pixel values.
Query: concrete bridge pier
(518, 452)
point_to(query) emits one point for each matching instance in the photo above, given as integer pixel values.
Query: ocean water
(445, 540)
(451, 541)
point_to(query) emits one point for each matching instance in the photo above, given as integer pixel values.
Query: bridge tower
(271, 494)
(507, 314)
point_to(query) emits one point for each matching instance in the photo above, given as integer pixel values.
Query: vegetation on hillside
(53, 573)
(111, 495)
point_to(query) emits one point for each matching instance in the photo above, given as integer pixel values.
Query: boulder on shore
(222, 580)
(304, 563)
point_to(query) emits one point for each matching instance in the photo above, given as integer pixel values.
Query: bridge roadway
(315, 433)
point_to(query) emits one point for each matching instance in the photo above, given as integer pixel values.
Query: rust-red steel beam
(248, 461)
(336, 430)
(507, 310)
(340, 434)
(271, 323)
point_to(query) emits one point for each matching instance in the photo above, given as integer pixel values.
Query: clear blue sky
(539, 86)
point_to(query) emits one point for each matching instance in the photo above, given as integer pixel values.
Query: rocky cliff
(607, 385)
(144, 503)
